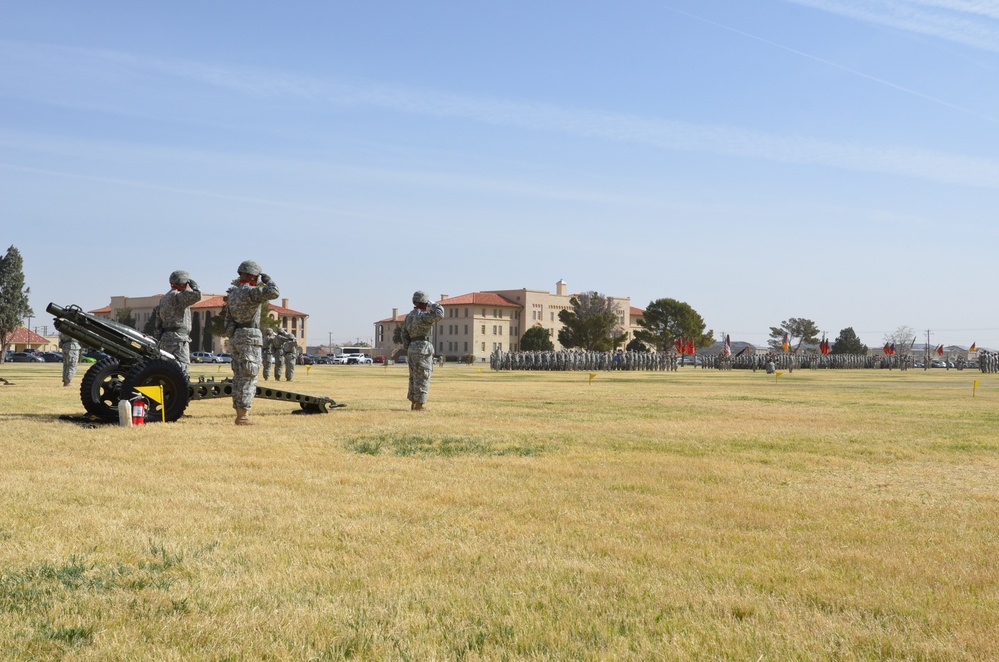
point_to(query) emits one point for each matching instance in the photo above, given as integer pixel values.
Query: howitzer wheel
(159, 372)
(100, 389)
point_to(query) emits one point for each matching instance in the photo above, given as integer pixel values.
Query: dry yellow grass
(690, 515)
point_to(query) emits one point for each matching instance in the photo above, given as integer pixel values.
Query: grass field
(694, 515)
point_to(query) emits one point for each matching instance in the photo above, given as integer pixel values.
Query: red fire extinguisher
(138, 410)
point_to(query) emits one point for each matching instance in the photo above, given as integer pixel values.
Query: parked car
(379, 359)
(52, 357)
(224, 357)
(938, 364)
(93, 355)
(203, 357)
(26, 357)
(359, 359)
(401, 358)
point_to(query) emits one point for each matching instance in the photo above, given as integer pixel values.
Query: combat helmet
(419, 296)
(249, 267)
(180, 277)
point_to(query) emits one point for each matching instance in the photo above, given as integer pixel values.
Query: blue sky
(830, 159)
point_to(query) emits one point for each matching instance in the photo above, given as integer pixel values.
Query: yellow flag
(480, 369)
(974, 388)
(308, 367)
(777, 375)
(592, 375)
(154, 393)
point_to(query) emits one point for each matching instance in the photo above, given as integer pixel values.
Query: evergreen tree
(848, 343)
(666, 320)
(591, 323)
(537, 339)
(804, 330)
(13, 297)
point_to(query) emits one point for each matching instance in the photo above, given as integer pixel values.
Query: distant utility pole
(926, 352)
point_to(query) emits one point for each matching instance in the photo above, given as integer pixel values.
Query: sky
(835, 160)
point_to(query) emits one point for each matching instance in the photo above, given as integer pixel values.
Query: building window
(466, 312)
(466, 329)
(483, 331)
(553, 316)
(501, 330)
(483, 347)
(441, 343)
(483, 312)
(494, 329)
(466, 346)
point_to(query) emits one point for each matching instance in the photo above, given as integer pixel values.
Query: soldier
(173, 317)
(242, 325)
(290, 348)
(416, 330)
(267, 352)
(277, 349)
(70, 357)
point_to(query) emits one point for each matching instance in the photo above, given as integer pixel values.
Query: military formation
(566, 359)
(988, 362)
(773, 361)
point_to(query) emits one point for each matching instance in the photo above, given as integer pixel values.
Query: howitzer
(136, 360)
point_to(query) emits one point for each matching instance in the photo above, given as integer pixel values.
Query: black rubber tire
(100, 389)
(159, 372)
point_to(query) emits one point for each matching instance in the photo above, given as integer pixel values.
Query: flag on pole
(690, 346)
(974, 388)
(940, 350)
(727, 349)
(679, 346)
(885, 349)
(592, 375)
(786, 344)
(742, 351)
(974, 347)
(891, 349)
(154, 393)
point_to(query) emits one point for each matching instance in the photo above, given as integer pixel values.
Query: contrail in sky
(827, 5)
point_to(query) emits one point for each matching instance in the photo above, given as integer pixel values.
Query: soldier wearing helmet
(172, 317)
(242, 314)
(416, 338)
(267, 352)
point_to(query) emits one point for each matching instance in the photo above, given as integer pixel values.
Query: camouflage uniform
(290, 348)
(419, 349)
(70, 357)
(277, 349)
(242, 313)
(267, 352)
(173, 318)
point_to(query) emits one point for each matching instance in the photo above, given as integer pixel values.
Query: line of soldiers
(988, 362)
(280, 349)
(773, 361)
(583, 360)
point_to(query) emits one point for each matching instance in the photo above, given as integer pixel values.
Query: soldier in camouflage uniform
(70, 357)
(290, 348)
(416, 330)
(172, 322)
(277, 349)
(242, 325)
(267, 352)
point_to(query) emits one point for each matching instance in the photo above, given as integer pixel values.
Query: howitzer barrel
(120, 341)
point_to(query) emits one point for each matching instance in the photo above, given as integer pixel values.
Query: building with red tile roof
(25, 340)
(479, 322)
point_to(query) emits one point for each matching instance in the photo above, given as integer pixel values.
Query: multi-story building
(480, 322)
(141, 310)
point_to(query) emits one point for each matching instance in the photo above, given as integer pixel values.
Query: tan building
(292, 321)
(480, 322)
